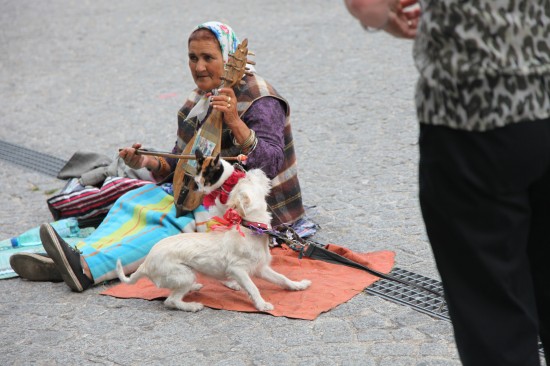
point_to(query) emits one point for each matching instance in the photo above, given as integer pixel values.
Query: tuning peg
(230, 81)
(242, 82)
(249, 73)
(250, 62)
(251, 53)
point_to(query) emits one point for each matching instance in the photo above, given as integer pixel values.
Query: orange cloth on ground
(331, 285)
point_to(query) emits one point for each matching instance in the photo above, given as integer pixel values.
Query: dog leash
(312, 249)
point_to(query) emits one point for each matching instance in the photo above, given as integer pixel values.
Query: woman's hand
(135, 161)
(403, 22)
(226, 102)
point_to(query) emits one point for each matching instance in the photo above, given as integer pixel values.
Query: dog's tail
(134, 277)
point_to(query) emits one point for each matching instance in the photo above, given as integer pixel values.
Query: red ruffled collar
(223, 192)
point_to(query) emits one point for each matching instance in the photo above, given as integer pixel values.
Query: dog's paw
(182, 305)
(301, 285)
(233, 285)
(193, 306)
(266, 306)
(196, 286)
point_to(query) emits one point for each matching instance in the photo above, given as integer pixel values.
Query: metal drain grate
(417, 299)
(19, 155)
(422, 301)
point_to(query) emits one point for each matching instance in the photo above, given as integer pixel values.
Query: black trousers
(485, 199)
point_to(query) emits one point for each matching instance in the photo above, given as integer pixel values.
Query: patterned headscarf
(226, 37)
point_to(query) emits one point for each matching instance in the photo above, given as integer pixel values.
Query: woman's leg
(539, 254)
(137, 221)
(474, 194)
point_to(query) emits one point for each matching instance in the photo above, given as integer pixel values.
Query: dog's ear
(245, 200)
(244, 204)
(217, 159)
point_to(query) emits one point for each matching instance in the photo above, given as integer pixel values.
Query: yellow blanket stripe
(135, 224)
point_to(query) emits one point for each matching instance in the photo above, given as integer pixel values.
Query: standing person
(255, 122)
(483, 103)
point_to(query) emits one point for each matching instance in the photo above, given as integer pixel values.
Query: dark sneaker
(35, 267)
(66, 259)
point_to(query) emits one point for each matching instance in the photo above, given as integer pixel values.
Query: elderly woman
(255, 122)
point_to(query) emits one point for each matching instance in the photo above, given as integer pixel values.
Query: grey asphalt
(99, 75)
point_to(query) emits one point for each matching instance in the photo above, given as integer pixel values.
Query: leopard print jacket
(483, 63)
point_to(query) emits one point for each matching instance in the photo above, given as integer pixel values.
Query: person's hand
(133, 160)
(397, 17)
(403, 22)
(226, 102)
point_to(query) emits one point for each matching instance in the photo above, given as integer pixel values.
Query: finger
(400, 28)
(219, 100)
(412, 14)
(406, 3)
(125, 152)
(136, 146)
(227, 92)
(409, 32)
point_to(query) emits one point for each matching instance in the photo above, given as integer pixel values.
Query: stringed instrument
(186, 196)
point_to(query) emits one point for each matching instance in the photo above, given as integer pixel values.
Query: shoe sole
(56, 253)
(35, 267)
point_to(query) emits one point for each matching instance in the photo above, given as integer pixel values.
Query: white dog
(224, 255)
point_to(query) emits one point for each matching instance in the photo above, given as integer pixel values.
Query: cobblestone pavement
(99, 75)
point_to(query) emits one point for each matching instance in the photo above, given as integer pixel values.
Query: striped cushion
(92, 202)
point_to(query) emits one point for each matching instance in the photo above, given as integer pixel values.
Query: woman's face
(206, 64)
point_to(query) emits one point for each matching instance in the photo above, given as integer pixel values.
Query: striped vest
(285, 198)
